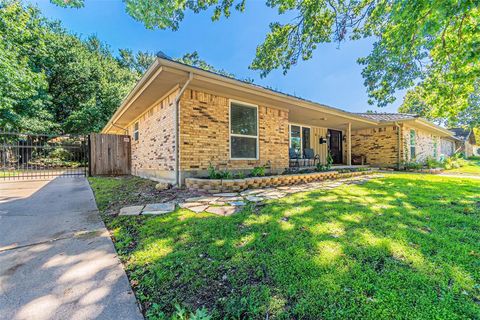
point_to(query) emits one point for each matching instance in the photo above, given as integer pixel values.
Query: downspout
(177, 129)
(399, 142)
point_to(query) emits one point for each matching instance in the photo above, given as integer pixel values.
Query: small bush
(258, 172)
(155, 313)
(433, 163)
(327, 166)
(412, 165)
(217, 174)
(61, 154)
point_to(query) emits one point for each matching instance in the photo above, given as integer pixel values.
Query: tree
(52, 81)
(138, 62)
(21, 88)
(433, 45)
(194, 60)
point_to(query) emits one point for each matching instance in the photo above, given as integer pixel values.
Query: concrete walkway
(56, 258)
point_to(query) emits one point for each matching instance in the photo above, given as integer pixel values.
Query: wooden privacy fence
(110, 154)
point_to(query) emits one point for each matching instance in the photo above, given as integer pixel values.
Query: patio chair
(294, 164)
(310, 157)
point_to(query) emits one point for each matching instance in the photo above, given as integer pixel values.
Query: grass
(404, 246)
(473, 168)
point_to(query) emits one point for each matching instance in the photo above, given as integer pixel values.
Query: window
(299, 138)
(412, 145)
(305, 138)
(135, 131)
(435, 148)
(243, 131)
(296, 139)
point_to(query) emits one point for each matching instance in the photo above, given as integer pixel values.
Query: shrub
(258, 172)
(454, 162)
(181, 313)
(217, 174)
(432, 163)
(61, 154)
(327, 166)
(412, 165)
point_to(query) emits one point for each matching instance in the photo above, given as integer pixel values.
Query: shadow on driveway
(57, 260)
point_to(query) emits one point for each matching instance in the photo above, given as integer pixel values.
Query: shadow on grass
(404, 246)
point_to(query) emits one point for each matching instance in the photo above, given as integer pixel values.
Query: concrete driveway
(56, 258)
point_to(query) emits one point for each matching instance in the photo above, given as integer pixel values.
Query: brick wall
(153, 155)
(204, 135)
(447, 147)
(378, 145)
(425, 143)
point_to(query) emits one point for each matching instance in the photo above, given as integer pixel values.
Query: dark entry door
(335, 146)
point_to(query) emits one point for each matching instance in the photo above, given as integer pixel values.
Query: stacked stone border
(235, 185)
(431, 171)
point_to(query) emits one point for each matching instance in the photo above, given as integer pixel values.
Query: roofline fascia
(233, 83)
(434, 126)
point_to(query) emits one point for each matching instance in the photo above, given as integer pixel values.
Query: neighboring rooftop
(460, 133)
(388, 117)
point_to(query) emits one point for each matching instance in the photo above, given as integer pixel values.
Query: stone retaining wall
(431, 171)
(219, 185)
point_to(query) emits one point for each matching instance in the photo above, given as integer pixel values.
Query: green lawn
(473, 168)
(404, 246)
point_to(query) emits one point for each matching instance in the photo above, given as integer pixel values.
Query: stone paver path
(228, 203)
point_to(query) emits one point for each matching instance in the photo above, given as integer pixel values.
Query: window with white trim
(135, 131)
(243, 131)
(413, 144)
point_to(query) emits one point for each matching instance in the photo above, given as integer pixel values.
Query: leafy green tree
(22, 89)
(433, 45)
(193, 59)
(53, 81)
(138, 62)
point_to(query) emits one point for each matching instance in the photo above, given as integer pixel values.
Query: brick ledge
(235, 185)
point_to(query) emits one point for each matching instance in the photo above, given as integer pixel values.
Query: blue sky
(331, 77)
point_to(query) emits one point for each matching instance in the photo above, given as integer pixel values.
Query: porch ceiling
(319, 118)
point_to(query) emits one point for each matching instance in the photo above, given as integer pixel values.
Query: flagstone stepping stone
(159, 208)
(201, 199)
(222, 211)
(131, 211)
(198, 209)
(217, 203)
(226, 194)
(230, 199)
(186, 205)
(237, 203)
(255, 198)
(274, 194)
(251, 192)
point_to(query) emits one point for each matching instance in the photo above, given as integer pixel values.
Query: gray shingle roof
(460, 133)
(388, 117)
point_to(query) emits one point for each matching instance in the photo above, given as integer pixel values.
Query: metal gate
(39, 156)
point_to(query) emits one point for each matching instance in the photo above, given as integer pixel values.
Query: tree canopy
(431, 48)
(52, 81)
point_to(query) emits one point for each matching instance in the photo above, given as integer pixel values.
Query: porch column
(349, 144)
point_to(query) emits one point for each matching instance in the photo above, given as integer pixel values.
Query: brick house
(183, 119)
(467, 141)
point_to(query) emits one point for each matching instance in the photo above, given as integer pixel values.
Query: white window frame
(301, 135)
(230, 134)
(136, 131)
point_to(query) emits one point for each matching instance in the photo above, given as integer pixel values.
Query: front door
(335, 146)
